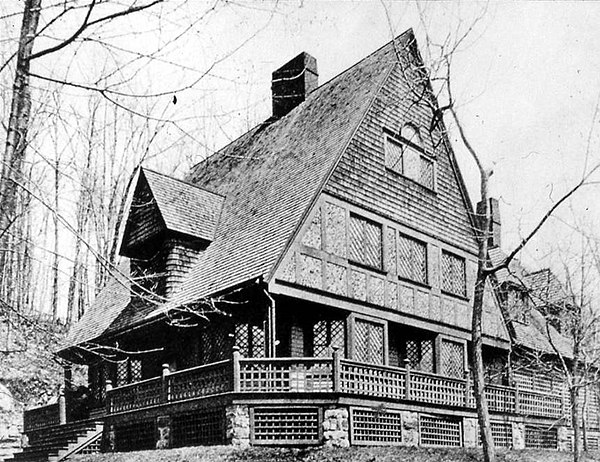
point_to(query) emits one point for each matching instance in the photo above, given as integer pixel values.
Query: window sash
(365, 242)
(413, 259)
(453, 274)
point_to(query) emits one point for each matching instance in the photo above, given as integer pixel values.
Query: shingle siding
(362, 178)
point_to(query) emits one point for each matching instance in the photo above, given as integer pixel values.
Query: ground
(354, 454)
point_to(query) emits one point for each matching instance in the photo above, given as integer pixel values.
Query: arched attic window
(406, 155)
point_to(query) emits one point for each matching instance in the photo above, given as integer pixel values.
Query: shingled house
(309, 283)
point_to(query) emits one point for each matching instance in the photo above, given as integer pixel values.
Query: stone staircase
(58, 443)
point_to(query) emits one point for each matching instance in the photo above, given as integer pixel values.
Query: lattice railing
(435, 389)
(500, 398)
(210, 379)
(540, 404)
(286, 375)
(372, 380)
(134, 396)
(41, 417)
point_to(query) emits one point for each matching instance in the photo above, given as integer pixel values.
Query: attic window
(405, 155)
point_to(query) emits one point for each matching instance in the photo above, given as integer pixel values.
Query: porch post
(407, 379)
(236, 369)
(467, 388)
(166, 370)
(271, 337)
(62, 407)
(108, 388)
(335, 370)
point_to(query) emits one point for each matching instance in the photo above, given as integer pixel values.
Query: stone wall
(335, 428)
(238, 425)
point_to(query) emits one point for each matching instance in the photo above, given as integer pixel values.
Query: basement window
(405, 155)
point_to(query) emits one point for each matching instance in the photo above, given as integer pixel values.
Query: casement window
(452, 358)
(327, 334)
(453, 274)
(250, 339)
(406, 156)
(412, 259)
(365, 241)
(419, 354)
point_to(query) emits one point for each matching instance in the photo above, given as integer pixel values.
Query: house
(309, 283)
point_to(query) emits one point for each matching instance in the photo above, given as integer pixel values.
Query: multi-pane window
(250, 339)
(412, 259)
(365, 241)
(327, 334)
(453, 274)
(453, 358)
(407, 157)
(419, 354)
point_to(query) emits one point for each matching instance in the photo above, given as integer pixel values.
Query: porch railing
(325, 375)
(40, 417)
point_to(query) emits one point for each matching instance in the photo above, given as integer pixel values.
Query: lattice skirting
(374, 427)
(135, 436)
(198, 428)
(540, 437)
(440, 430)
(502, 434)
(278, 426)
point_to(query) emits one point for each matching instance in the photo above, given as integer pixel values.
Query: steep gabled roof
(107, 306)
(546, 289)
(538, 334)
(272, 174)
(184, 207)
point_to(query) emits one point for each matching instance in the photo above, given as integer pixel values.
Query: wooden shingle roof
(184, 207)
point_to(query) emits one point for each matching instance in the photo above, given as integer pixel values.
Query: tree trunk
(483, 416)
(18, 121)
(56, 249)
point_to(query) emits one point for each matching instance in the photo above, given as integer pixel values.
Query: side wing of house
(388, 244)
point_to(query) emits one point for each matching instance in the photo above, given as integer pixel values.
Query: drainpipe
(271, 337)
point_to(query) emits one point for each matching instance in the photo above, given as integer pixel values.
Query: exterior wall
(361, 177)
(319, 261)
(179, 260)
(144, 221)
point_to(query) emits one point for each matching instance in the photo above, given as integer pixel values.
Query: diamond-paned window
(412, 261)
(453, 274)
(365, 241)
(453, 359)
(328, 333)
(368, 342)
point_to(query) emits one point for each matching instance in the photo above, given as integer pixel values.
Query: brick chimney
(293, 82)
(495, 224)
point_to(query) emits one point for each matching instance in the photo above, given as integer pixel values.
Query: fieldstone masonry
(410, 428)
(335, 428)
(163, 429)
(518, 435)
(470, 429)
(238, 425)
(108, 438)
(564, 438)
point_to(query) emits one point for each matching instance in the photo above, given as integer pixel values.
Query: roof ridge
(407, 32)
(187, 183)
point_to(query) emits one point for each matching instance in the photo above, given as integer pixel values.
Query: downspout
(271, 334)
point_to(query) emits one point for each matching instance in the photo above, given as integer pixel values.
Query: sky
(526, 82)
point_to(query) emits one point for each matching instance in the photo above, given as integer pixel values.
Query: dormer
(169, 224)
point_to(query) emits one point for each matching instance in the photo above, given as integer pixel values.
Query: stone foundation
(470, 430)
(518, 435)
(238, 425)
(163, 432)
(563, 438)
(336, 428)
(410, 428)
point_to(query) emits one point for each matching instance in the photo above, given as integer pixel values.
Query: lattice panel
(135, 369)
(122, 373)
(215, 343)
(258, 341)
(376, 427)
(365, 241)
(540, 437)
(135, 436)
(420, 354)
(453, 359)
(501, 433)
(369, 342)
(327, 334)
(440, 431)
(412, 262)
(453, 274)
(285, 426)
(393, 155)
(203, 427)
